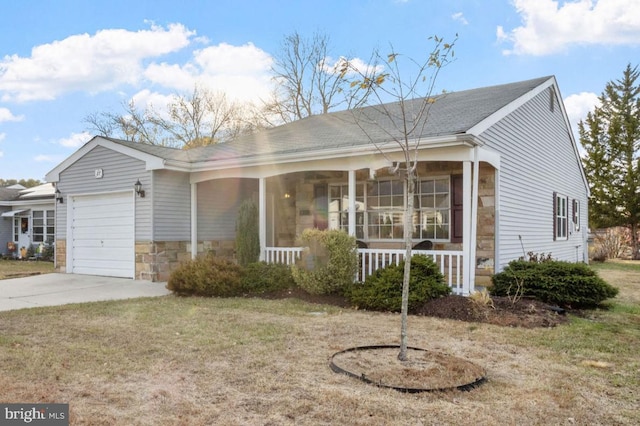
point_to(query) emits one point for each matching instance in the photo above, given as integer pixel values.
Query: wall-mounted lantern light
(59, 198)
(138, 188)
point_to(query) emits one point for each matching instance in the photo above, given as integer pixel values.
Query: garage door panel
(103, 239)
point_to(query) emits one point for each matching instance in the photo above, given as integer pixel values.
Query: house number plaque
(98, 173)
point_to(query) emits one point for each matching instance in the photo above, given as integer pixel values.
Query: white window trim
(559, 216)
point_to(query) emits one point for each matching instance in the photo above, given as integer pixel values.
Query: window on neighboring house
(576, 215)
(43, 226)
(561, 216)
(339, 208)
(16, 228)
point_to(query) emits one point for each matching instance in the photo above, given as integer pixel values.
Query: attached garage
(101, 234)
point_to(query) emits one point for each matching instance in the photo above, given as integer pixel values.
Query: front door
(24, 233)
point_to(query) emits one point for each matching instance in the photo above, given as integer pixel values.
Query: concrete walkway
(62, 289)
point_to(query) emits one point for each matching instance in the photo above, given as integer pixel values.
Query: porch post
(262, 216)
(474, 221)
(466, 227)
(352, 202)
(194, 220)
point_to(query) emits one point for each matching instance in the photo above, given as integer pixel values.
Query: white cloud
(578, 105)
(76, 140)
(459, 16)
(43, 158)
(549, 27)
(6, 115)
(91, 63)
(242, 72)
(2, 136)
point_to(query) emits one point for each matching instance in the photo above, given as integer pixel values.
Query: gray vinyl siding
(537, 159)
(6, 230)
(171, 206)
(218, 203)
(120, 172)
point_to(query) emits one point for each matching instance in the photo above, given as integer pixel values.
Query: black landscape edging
(466, 387)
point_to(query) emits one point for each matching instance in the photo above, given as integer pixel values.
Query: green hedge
(261, 277)
(206, 276)
(566, 284)
(382, 291)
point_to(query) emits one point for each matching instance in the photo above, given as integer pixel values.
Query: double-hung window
(561, 217)
(43, 226)
(432, 209)
(385, 209)
(339, 208)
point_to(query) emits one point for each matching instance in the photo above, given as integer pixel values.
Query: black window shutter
(456, 208)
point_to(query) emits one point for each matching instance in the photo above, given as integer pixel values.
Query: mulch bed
(527, 313)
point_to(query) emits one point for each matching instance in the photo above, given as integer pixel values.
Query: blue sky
(63, 60)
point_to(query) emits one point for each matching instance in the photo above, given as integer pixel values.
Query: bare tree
(307, 80)
(409, 84)
(201, 118)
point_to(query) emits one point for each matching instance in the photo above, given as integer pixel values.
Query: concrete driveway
(61, 289)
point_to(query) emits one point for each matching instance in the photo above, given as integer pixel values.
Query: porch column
(352, 202)
(474, 222)
(262, 216)
(194, 220)
(468, 267)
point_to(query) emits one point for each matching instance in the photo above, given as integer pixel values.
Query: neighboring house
(27, 218)
(499, 175)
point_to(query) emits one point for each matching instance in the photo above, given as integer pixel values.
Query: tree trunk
(634, 242)
(408, 231)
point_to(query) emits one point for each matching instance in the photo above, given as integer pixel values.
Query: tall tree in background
(610, 136)
(27, 183)
(308, 81)
(408, 84)
(201, 118)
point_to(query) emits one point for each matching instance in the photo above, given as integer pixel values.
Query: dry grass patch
(19, 268)
(193, 361)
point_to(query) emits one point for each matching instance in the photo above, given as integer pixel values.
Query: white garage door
(102, 235)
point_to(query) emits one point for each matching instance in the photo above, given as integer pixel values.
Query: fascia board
(509, 108)
(359, 151)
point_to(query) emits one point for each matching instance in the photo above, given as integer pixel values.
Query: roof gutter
(323, 154)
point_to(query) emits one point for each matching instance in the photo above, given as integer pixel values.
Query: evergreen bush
(329, 262)
(207, 276)
(565, 284)
(247, 233)
(382, 290)
(261, 277)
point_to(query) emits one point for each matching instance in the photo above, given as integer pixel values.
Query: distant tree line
(27, 183)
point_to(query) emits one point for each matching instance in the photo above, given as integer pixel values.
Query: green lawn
(15, 268)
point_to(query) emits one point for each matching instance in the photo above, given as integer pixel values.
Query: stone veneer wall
(156, 260)
(61, 255)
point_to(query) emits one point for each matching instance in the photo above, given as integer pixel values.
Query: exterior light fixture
(59, 198)
(138, 188)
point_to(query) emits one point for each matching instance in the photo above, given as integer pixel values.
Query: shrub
(329, 264)
(206, 276)
(247, 233)
(563, 283)
(261, 277)
(382, 291)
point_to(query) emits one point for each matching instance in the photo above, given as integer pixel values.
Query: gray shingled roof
(8, 194)
(451, 114)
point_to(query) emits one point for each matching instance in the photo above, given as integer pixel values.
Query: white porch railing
(286, 255)
(449, 261)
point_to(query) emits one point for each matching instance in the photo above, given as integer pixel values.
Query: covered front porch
(453, 223)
